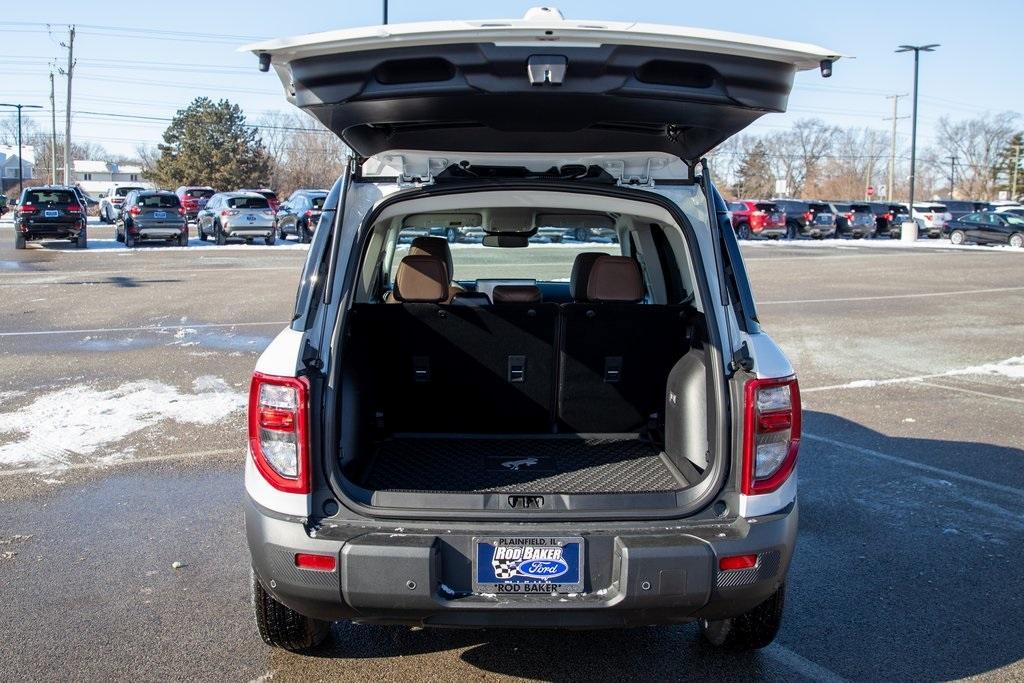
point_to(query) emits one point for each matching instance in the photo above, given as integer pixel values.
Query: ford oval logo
(543, 569)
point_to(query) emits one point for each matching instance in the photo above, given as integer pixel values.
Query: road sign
(871, 191)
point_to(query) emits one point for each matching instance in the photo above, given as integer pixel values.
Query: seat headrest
(581, 274)
(433, 246)
(516, 294)
(421, 279)
(615, 278)
(471, 299)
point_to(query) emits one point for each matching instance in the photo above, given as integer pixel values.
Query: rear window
(934, 208)
(51, 197)
(248, 203)
(123, 191)
(768, 207)
(198, 193)
(843, 207)
(860, 208)
(318, 202)
(268, 194)
(736, 206)
(819, 208)
(159, 201)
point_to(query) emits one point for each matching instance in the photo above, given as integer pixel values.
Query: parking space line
(800, 665)
(154, 328)
(915, 295)
(983, 394)
(931, 469)
(63, 467)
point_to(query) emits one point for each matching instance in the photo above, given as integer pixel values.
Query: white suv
(931, 219)
(506, 432)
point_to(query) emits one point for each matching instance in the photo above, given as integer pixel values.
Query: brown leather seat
(420, 279)
(437, 247)
(581, 267)
(615, 278)
(516, 294)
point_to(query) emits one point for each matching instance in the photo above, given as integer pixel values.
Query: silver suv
(513, 433)
(245, 215)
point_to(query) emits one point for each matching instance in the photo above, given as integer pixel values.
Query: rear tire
(202, 235)
(749, 631)
(183, 238)
(1017, 240)
(19, 241)
(743, 231)
(452, 235)
(219, 234)
(129, 239)
(269, 241)
(83, 239)
(283, 627)
(957, 237)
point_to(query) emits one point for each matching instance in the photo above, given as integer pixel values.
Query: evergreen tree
(754, 177)
(1004, 171)
(209, 143)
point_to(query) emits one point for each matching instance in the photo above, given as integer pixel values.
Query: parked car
(855, 219)
(931, 219)
(418, 462)
(960, 207)
(151, 215)
(300, 214)
(988, 227)
(269, 194)
(752, 218)
(3, 204)
(808, 218)
(86, 200)
(244, 215)
(889, 218)
(193, 198)
(49, 212)
(1007, 207)
(113, 198)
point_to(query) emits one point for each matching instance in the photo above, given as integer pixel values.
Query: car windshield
(50, 197)
(199, 193)
(254, 202)
(161, 201)
(318, 202)
(123, 191)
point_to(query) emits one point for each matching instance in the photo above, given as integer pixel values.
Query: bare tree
(304, 153)
(978, 143)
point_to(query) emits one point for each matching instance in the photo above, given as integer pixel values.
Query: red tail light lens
(135, 211)
(27, 208)
(808, 216)
(771, 433)
(181, 210)
(737, 562)
(320, 563)
(309, 213)
(278, 430)
(74, 208)
(229, 212)
(887, 216)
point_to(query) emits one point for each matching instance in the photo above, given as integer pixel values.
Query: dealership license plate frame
(159, 214)
(51, 213)
(522, 585)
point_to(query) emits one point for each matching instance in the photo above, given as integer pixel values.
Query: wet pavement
(129, 368)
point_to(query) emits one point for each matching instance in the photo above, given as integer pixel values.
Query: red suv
(193, 199)
(751, 218)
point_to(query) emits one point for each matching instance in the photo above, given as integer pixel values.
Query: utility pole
(70, 45)
(385, 12)
(21, 161)
(1016, 163)
(952, 172)
(53, 135)
(890, 188)
(917, 50)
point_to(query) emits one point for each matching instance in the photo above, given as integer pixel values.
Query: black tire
(743, 231)
(19, 241)
(1016, 240)
(129, 239)
(281, 235)
(83, 239)
(749, 631)
(269, 241)
(582, 234)
(219, 235)
(452, 235)
(283, 627)
(304, 235)
(202, 235)
(183, 238)
(117, 235)
(957, 237)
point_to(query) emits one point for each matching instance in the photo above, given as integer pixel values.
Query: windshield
(198, 193)
(50, 197)
(161, 201)
(248, 203)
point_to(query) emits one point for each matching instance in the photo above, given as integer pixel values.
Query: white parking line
(64, 467)
(983, 394)
(800, 665)
(153, 328)
(916, 295)
(931, 469)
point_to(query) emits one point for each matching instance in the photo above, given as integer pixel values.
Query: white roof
(129, 168)
(544, 28)
(89, 166)
(10, 152)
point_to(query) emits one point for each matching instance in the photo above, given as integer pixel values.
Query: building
(96, 176)
(9, 165)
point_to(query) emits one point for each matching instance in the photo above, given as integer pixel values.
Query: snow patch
(1011, 368)
(80, 422)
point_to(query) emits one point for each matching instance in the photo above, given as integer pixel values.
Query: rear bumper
(248, 230)
(155, 230)
(634, 577)
(52, 231)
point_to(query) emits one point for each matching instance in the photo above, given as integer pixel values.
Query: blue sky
(122, 72)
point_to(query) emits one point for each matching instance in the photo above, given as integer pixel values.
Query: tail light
(278, 430)
(887, 216)
(27, 208)
(808, 216)
(737, 562)
(849, 216)
(181, 210)
(117, 200)
(771, 433)
(135, 211)
(309, 213)
(229, 212)
(73, 208)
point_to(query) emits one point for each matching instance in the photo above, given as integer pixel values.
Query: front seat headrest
(433, 246)
(581, 274)
(421, 279)
(615, 278)
(516, 294)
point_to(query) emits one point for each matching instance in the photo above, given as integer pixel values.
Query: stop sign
(871, 190)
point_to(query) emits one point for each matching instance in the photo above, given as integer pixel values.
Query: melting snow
(80, 420)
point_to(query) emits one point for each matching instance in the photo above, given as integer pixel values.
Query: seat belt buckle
(517, 369)
(420, 369)
(612, 369)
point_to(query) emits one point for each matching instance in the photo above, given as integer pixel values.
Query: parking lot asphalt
(122, 384)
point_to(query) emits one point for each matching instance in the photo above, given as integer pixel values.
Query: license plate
(250, 218)
(159, 214)
(50, 213)
(528, 565)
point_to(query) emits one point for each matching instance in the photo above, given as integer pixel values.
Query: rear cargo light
(320, 563)
(737, 562)
(771, 433)
(278, 430)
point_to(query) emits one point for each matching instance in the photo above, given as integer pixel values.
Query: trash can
(908, 233)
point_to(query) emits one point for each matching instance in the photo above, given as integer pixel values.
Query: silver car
(244, 215)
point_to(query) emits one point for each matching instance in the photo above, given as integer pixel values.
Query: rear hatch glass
(39, 197)
(248, 203)
(123, 191)
(768, 207)
(158, 201)
(199, 194)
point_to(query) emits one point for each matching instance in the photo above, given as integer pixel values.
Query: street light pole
(909, 230)
(21, 162)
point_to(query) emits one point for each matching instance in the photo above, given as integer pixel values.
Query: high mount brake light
(278, 430)
(771, 433)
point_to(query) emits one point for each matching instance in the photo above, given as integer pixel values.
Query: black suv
(961, 207)
(299, 215)
(151, 215)
(810, 218)
(49, 212)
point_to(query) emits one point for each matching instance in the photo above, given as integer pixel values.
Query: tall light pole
(909, 225)
(21, 162)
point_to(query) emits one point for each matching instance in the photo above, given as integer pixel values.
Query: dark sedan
(987, 228)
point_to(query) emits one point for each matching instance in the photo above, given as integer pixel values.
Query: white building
(9, 165)
(95, 177)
